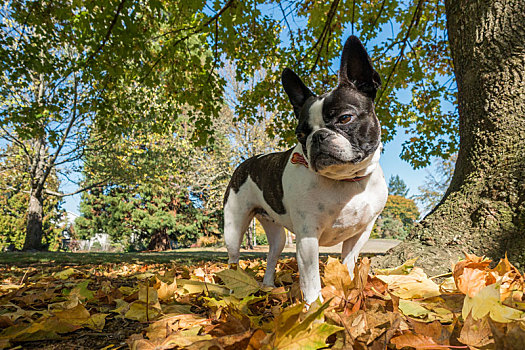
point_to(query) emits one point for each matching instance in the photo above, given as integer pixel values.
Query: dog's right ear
(296, 90)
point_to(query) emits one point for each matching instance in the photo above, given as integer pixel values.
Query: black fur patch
(364, 133)
(267, 173)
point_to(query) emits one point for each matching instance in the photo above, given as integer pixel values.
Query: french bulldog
(327, 189)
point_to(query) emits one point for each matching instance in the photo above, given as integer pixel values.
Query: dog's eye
(300, 135)
(345, 119)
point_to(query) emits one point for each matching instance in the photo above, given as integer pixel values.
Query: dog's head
(339, 130)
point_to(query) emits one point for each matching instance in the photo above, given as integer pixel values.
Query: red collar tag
(297, 158)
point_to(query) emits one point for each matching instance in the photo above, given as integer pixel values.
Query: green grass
(186, 256)
(179, 256)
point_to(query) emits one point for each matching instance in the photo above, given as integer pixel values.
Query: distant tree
(145, 216)
(392, 228)
(65, 72)
(248, 137)
(397, 187)
(397, 219)
(436, 183)
(14, 196)
(401, 208)
(164, 188)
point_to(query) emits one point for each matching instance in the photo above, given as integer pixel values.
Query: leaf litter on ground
(209, 306)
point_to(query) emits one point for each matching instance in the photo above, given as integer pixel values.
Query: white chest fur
(335, 210)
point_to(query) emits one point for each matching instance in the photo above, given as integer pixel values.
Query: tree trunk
(35, 213)
(483, 210)
(35, 209)
(249, 237)
(159, 241)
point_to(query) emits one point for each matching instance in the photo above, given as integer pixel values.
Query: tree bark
(160, 241)
(483, 211)
(249, 237)
(35, 209)
(35, 213)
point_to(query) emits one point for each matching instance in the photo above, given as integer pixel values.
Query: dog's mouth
(323, 159)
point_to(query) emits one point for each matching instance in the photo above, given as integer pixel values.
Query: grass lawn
(183, 256)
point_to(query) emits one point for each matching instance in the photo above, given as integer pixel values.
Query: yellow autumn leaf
(165, 291)
(65, 274)
(403, 269)
(412, 308)
(193, 287)
(337, 277)
(487, 301)
(309, 339)
(239, 281)
(414, 285)
(142, 312)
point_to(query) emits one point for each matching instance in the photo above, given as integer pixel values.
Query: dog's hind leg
(237, 217)
(276, 240)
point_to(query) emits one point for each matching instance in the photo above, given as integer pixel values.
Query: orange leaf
(476, 333)
(416, 341)
(471, 281)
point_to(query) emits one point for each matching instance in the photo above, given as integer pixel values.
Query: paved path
(373, 246)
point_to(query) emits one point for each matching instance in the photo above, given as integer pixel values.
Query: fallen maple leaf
(165, 291)
(416, 341)
(67, 273)
(239, 281)
(413, 285)
(199, 287)
(487, 302)
(476, 333)
(310, 333)
(43, 329)
(403, 269)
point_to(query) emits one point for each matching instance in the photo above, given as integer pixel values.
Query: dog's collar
(297, 158)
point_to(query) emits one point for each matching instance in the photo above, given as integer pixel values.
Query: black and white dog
(329, 188)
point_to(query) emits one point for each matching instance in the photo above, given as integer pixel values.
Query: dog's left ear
(356, 68)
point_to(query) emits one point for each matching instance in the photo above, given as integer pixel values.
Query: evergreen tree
(145, 216)
(163, 189)
(397, 187)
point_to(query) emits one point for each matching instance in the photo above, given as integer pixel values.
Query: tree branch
(51, 162)
(196, 29)
(15, 140)
(379, 14)
(401, 54)
(321, 39)
(58, 194)
(326, 30)
(285, 17)
(108, 33)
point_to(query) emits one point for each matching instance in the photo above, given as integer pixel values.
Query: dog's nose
(358, 157)
(320, 136)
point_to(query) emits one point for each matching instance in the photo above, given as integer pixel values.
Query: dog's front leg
(352, 247)
(308, 262)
